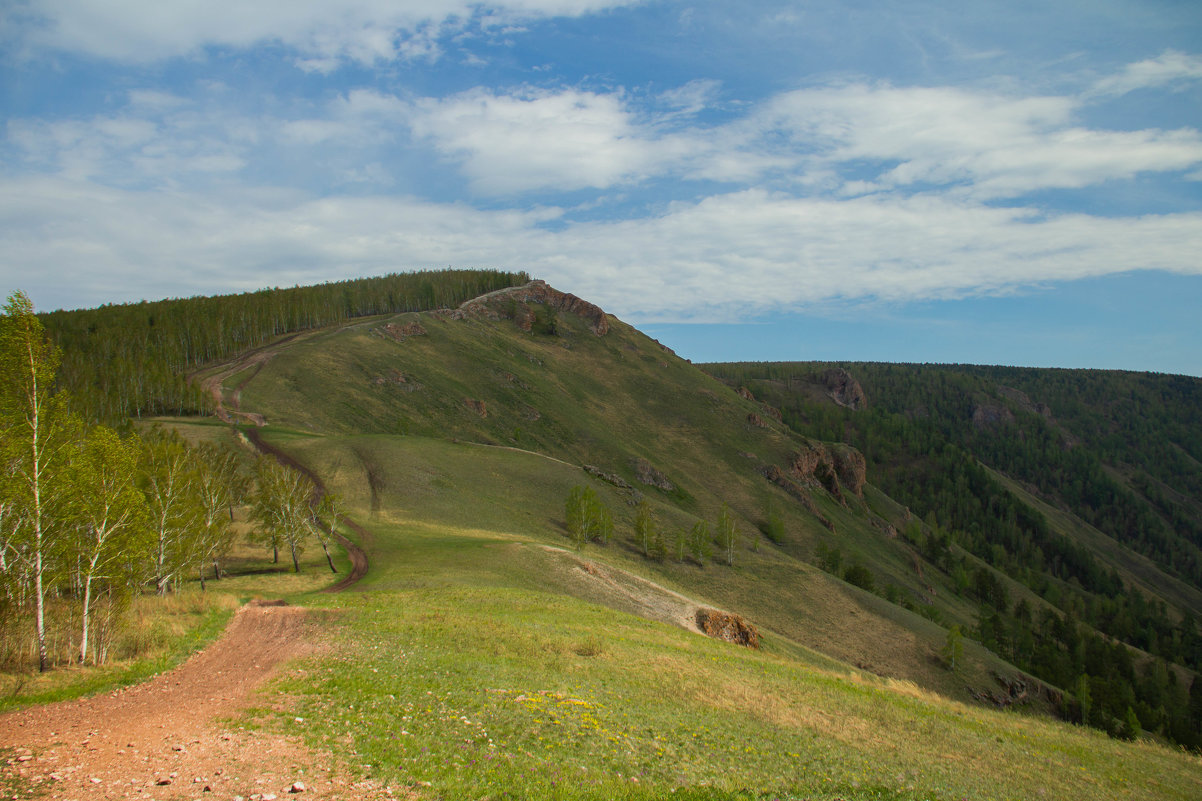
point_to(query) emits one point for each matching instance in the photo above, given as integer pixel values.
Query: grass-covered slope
(482, 657)
(468, 667)
(1078, 490)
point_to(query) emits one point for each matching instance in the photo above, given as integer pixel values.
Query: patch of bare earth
(626, 592)
(173, 736)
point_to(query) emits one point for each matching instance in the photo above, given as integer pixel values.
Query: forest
(133, 360)
(95, 510)
(91, 517)
(1120, 451)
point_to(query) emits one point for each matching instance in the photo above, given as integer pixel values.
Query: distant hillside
(133, 360)
(1081, 486)
(875, 509)
(532, 371)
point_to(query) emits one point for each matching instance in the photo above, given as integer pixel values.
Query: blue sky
(1003, 182)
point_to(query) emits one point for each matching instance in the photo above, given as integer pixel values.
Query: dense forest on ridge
(1062, 505)
(133, 360)
(973, 450)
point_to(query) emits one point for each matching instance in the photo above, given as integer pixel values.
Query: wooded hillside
(1024, 469)
(132, 360)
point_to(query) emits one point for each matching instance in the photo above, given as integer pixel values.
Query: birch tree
(35, 432)
(169, 481)
(728, 535)
(644, 528)
(281, 505)
(110, 516)
(220, 485)
(326, 516)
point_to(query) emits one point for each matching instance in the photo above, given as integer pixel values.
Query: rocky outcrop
(778, 477)
(843, 389)
(609, 478)
(834, 467)
(755, 420)
(987, 415)
(399, 332)
(477, 406)
(728, 627)
(1024, 402)
(514, 303)
(745, 393)
(645, 473)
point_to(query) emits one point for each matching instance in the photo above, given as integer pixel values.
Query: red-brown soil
(173, 738)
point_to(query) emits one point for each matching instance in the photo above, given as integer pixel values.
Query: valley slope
(456, 436)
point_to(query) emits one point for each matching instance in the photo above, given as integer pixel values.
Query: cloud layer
(665, 200)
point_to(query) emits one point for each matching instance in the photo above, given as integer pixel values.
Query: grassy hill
(1076, 488)
(476, 421)
(486, 656)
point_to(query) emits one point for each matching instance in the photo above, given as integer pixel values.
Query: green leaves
(588, 519)
(281, 506)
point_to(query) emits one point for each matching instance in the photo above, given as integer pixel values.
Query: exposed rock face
(988, 415)
(843, 389)
(755, 420)
(610, 478)
(777, 476)
(772, 412)
(648, 475)
(728, 627)
(477, 406)
(507, 304)
(852, 469)
(1025, 402)
(745, 393)
(402, 331)
(832, 466)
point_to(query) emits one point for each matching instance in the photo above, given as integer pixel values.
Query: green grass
(467, 674)
(170, 629)
(481, 660)
(400, 428)
(497, 491)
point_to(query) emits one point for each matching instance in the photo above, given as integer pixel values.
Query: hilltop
(456, 437)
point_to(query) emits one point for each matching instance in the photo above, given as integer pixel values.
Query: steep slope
(1078, 489)
(488, 415)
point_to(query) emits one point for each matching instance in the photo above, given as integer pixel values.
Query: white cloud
(323, 33)
(536, 139)
(694, 96)
(979, 144)
(566, 140)
(745, 252)
(1170, 67)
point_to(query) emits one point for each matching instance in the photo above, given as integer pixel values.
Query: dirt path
(166, 739)
(358, 556)
(214, 383)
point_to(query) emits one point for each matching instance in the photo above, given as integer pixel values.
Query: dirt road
(170, 738)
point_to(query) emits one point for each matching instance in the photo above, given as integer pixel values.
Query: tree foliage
(133, 360)
(588, 519)
(1122, 452)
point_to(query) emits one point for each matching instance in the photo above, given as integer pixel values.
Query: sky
(1004, 182)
